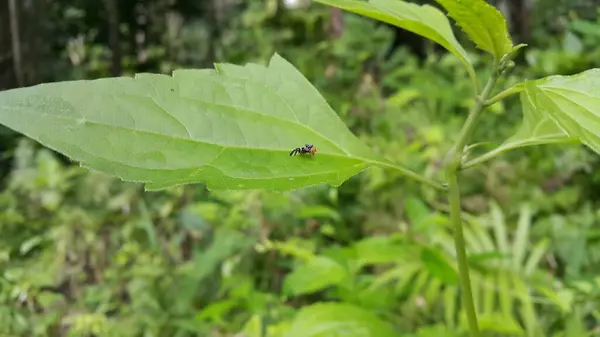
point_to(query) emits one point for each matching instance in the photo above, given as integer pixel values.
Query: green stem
(515, 89)
(411, 174)
(455, 154)
(461, 254)
(452, 165)
(483, 158)
(500, 150)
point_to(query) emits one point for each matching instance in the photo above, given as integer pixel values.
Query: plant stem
(453, 163)
(461, 254)
(500, 150)
(411, 174)
(455, 154)
(515, 89)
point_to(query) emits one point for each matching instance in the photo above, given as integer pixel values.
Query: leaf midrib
(335, 155)
(200, 168)
(178, 138)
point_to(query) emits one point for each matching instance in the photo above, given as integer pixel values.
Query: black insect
(306, 149)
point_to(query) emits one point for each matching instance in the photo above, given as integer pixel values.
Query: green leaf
(216, 310)
(486, 260)
(232, 127)
(30, 244)
(537, 128)
(576, 325)
(526, 308)
(504, 293)
(416, 210)
(425, 20)
(438, 266)
(585, 27)
(499, 227)
(521, 240)
(318, 211)
(337, 320)
(483, 23)
(380, 249)
(253, 327)
(450, 295)
(438, 330)
(499, 323)
(316, 274)
(537, 253)
(572, 102)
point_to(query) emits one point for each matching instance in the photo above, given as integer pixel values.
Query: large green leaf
(316, 274)
(483, 23)
(537, 128)
(232, 127)
(425, 20)
(572, 102)
(337, 320)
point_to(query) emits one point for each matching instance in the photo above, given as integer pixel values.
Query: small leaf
(486, 259)
(585, 27)
(318, 211)
(336, 320)
(482, 236)
(483, 23)
(450, 296)
(232, 128)
(488, 297)
(504, 294)
(425, 20)
(572, 102)
(30, 244)
(563, 299)
(499, 323)
(316, 274)
(576, 325)
(403, 97)
(253, 327)
(215, 310)
(380, 249)
(526, 308)
(521, 237)
(537, 253)
(438, 266)
(499, 227)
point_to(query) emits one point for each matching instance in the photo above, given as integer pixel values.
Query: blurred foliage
(82, 254)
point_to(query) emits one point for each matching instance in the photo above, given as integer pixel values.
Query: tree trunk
(16, 42)
(7, 76)
(336, 18)
(114, 37)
